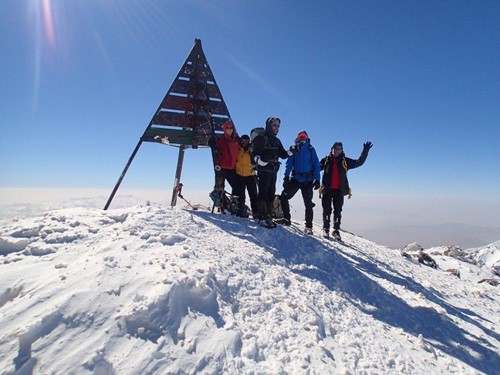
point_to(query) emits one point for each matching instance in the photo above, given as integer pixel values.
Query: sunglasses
(338, 148)
(300, 141)
(229, 127)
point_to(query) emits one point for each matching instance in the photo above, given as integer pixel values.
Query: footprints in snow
(164, 317)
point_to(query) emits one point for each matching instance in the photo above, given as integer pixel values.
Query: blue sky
(80, 81)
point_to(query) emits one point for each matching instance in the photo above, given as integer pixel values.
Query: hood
(226, 124)
(234, 135)
(269, 128)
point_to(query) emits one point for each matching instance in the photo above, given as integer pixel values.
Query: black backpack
(254, 133)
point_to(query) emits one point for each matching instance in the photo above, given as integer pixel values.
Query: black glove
(286, 181)
(294, 149)
(367, 146)
(212, 142)
(316, 184)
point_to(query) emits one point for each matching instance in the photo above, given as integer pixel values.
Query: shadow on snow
(345, 273)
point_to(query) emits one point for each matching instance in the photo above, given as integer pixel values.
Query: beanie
(337, 144)
(270, 120)
(244, 136)
(302, 134)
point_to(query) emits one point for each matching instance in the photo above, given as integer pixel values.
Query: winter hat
(245, 145)
(302, 134)
(270, 120)
(301, 139)
(227, 124)
(337, 144)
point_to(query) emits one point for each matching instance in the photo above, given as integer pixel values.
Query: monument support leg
(178, 172)
(122, 175)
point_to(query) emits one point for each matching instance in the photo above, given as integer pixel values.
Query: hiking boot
(336, 235)
(243, 213)
(270, 223)
(308, 231)
(286, 222)
(267, 223)
(263, 223)
(326, 233)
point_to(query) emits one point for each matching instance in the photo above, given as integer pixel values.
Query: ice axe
(179, 194)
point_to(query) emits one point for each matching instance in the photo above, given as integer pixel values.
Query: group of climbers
(252, 165)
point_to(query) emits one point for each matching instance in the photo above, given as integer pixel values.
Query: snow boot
(270, 222)
(243, 212)
(326, 233)
(336, 235)
(308, 231)
(267, 223)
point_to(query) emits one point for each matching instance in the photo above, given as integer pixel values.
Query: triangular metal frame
(192, 111)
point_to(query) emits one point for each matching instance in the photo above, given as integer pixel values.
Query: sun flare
(48, 23)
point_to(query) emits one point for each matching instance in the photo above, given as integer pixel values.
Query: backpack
(254, 133)
(277, 210)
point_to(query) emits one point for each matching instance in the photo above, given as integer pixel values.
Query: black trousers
(267, 186)
(332, 196)
(306, 188)
(248, 183)
(232, 178)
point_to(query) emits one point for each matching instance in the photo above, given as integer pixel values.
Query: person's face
(244, 143)
(337, 150)
(275, 126)
(229, 130)
(300, 140)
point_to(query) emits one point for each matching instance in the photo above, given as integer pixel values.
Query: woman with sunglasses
(227, 150)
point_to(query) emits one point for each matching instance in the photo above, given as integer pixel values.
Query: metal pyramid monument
(193, 104)
(191, 112)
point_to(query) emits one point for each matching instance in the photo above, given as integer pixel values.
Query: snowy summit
(156, 290)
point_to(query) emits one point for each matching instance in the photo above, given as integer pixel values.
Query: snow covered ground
(155, 290)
